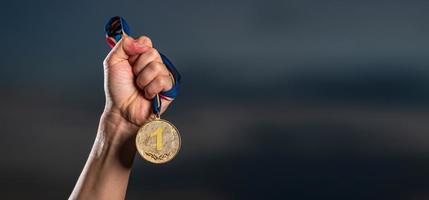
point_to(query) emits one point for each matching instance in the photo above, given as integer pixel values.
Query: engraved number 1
(158, 134)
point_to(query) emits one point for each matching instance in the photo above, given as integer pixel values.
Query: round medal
(158, 141)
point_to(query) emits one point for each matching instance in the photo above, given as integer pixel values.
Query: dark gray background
(280, 99)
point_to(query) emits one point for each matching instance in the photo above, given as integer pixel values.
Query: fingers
(149, 56)
(150, 72)
(159, 84)
(152, 75)
(124, 49)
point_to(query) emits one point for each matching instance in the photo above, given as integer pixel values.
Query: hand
(134, 74)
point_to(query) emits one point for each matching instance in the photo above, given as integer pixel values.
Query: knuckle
(154, 67)
(160, 81)
(149, 90)
(152, 53)
(145, 40)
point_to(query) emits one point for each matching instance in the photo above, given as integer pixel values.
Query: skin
(133, 75)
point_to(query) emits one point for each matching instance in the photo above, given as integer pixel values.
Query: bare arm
(134, 74)
(106, 172)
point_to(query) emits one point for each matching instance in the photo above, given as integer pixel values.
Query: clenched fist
(133, 74)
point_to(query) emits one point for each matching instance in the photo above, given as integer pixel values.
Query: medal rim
(178, 136)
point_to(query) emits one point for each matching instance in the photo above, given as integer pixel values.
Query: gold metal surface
(158, 141)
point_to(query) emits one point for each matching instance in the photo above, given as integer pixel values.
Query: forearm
(107, 170)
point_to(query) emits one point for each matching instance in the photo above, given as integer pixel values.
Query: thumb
(124, 49)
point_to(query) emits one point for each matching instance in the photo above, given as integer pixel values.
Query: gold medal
(158, 141)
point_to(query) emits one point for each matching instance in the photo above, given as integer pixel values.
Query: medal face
(158, 141)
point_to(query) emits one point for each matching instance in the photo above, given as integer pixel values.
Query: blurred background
(291, 99)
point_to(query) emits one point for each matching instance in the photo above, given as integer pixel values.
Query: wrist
(115, 136)
(115, 128)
